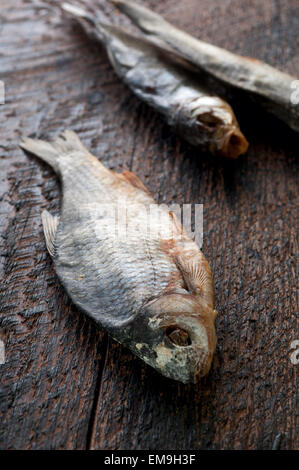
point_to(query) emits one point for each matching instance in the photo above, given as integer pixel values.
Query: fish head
(210, 122)
(175, 334)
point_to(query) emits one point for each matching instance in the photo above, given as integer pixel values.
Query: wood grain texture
(65, 385)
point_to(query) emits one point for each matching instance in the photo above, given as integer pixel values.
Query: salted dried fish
(272, 88)
(150, 289)
(203, 119)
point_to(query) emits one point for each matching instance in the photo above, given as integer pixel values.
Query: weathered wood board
(64, 384)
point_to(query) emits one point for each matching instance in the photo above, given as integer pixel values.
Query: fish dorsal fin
(50, 224)
(135, 181)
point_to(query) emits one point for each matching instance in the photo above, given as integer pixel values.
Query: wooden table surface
(65, 384)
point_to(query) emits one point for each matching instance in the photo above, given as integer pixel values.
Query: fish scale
(108, 261)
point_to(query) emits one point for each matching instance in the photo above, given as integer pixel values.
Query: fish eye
(178, 336)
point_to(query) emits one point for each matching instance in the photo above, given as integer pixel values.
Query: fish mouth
(234, 144)
(217, 120)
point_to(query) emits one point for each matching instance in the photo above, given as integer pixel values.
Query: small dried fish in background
(271, 88)
(158, 78)
(142, 279)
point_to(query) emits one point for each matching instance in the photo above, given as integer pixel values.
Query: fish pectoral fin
(50, 224)
(197, 275)
(135, 181)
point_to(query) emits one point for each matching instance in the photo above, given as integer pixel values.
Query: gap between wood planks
(92, 425)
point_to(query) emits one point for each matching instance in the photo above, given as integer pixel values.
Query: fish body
(147, 284)
(200, 117)
(270, 87)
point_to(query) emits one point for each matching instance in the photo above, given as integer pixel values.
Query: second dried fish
(272, 88)
(203, 119)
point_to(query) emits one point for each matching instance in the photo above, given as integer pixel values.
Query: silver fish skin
(270, 87)
(201, 118)
(145, 283)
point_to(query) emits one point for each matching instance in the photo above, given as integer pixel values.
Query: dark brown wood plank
(62, 385)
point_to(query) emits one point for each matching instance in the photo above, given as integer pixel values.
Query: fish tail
(85, 19)
(51, 152)
(77, 11)
(90, 24)
(141, 16)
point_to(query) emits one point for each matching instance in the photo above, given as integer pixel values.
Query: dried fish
(271, 88)
(150, 289)
(203, 119)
